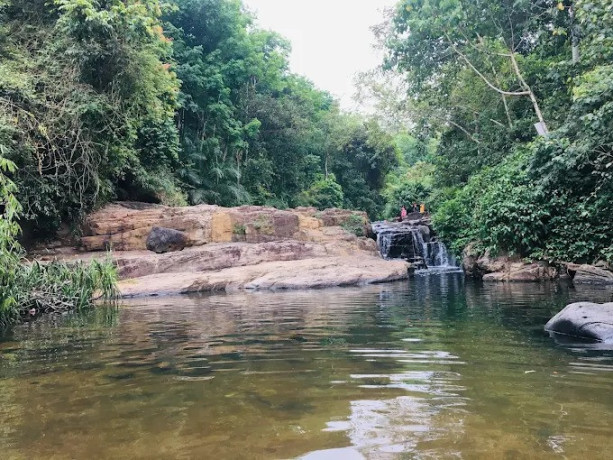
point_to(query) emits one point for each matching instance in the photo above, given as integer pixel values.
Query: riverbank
(414, 239)
(209, 248)
(506, 268)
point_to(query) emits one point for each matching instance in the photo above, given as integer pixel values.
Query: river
(434, 367)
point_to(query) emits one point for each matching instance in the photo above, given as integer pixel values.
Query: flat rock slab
(218, 256)
(298, 274)
(584, 320)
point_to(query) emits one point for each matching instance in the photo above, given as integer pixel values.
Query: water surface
(436, 367)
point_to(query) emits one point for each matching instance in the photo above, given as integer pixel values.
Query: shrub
(323, 194)
(355, 224)
(29, 289)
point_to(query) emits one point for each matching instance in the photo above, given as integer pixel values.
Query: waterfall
(414, 242)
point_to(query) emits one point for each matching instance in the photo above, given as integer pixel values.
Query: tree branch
(483, 77)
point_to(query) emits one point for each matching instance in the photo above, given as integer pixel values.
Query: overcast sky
(331, 39)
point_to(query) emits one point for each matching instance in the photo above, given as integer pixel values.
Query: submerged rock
(161, 240)
(584, 320)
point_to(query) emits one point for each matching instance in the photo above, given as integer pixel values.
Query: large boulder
(522, 271)
(589, 274)
(584, 320)
(161, 240)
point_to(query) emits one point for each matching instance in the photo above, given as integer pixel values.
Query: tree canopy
(178, 102)
(516, 96)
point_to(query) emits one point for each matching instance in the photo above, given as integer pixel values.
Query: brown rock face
(124, 226)
(469, 262)
(505, 268)
(589, 274)
(521, 271)
(248, 247)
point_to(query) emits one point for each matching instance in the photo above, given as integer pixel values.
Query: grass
(239, 229)
(355, 224)
(35, 289)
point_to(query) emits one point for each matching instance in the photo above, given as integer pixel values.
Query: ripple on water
(431, 368)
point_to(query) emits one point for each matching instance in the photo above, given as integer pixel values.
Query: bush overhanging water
(29, 289)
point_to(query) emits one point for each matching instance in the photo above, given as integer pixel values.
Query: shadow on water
(437, 367)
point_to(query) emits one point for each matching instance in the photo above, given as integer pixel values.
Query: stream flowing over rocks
(415, 241)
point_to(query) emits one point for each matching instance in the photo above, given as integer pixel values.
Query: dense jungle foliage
(178, 102)
(478, 76)
(187, 102)
(30, 289)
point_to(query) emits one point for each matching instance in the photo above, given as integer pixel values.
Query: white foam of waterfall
(429, 256)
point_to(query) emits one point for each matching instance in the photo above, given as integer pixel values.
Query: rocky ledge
(514, 269)
(299, 274)
(161, 250)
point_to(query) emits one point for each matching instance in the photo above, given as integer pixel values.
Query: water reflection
(433, 368)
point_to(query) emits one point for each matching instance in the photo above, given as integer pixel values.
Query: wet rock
(301, 274)
(161, 240)
(522, 272)
(414, 241)
(589, 274)
(584, 320)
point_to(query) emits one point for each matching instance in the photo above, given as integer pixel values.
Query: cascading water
(414, 242)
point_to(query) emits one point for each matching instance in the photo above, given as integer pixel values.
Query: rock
(589, 274)
(248, 247)
(505, 268)
(163, 239)
(489, 264)
(124, 226)
(523, 271)
(338, 217)
(469, 262)
(216, 256)
(584, 320)
(425, 232)
(300, 274)
(414, 241)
